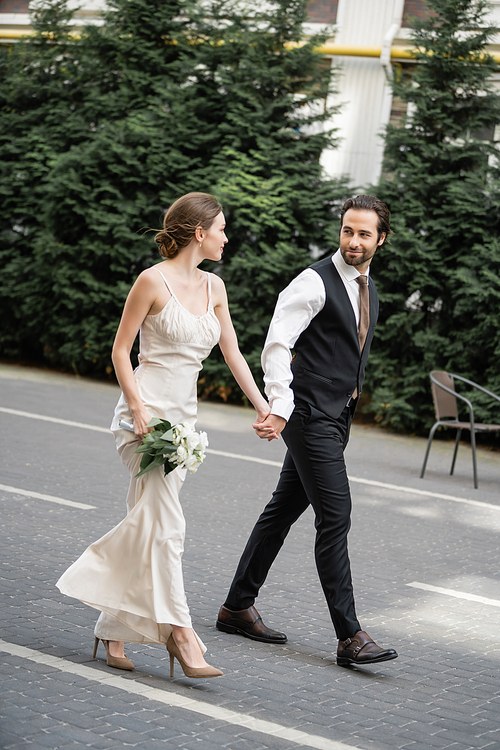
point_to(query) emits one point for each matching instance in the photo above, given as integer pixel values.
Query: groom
(328, 316)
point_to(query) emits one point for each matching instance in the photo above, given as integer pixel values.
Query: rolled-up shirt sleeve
(297, 305)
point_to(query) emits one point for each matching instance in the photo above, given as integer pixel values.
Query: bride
(133, 574)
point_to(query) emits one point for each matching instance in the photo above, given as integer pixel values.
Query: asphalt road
(425, 567)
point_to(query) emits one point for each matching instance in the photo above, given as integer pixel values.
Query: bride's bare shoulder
(151, 278)
(218, 290)
(150, 289)
(217, 283)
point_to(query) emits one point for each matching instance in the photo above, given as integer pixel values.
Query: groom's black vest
(328, 365)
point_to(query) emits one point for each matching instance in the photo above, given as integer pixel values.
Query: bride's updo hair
(182, 220)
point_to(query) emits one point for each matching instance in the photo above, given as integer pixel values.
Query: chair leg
(474, 458)
(429, 443)
(459, 433)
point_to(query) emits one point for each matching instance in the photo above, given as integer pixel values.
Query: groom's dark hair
(370, 203)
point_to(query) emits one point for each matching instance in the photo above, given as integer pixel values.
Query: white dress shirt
(297, 305)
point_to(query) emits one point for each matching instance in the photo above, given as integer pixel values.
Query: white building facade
(371, 36)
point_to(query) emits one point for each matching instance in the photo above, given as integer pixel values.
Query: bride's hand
(263, 413)
(261, 427)
(141, 419)
(270, 428)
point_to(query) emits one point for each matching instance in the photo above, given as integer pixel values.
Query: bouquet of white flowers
(171, 446)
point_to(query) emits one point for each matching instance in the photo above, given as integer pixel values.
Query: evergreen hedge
(99, 134)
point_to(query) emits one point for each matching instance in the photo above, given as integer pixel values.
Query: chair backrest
(445, 404)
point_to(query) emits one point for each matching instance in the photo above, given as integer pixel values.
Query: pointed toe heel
(193, 672)
(118, 662)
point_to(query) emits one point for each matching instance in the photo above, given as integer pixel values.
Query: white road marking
(456, 594)
(267, 462)
(49, 498)
(424, 493)
(68, 422)
(241, 457)
(371, 482)
(175, 700)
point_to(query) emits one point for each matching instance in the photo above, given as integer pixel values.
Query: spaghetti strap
(209, 291)
(209, 283)
(166, 283)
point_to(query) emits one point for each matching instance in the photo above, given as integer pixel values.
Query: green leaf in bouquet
(168, 467)
(157, 461)
(163, 424)
(143, 448)
(169, 435)
(160, 445)
(147, 459)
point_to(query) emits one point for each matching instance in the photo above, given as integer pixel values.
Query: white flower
(182, 430)
(203, 441)
(191, 464)
(181, 454)
(193, 442)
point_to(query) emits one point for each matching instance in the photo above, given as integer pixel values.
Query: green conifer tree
(95, 122)
(439, 279)
(280, 208)
(165, 97)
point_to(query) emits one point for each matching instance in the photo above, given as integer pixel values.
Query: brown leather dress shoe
(360, 650)
(249, 623)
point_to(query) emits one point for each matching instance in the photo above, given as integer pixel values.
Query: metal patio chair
(445, 405)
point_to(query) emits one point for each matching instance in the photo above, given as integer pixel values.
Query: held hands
(270, 428)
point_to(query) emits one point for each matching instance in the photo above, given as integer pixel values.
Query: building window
(14, 6)
(414, 9)
(322, 11)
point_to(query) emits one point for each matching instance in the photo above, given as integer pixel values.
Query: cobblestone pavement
(425, 567)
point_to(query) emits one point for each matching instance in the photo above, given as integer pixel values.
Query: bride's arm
(233, 357)
(139, 302)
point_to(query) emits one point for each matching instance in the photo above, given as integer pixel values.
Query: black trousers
(313, 473)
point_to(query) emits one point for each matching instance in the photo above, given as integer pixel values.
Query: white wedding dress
(133, 574)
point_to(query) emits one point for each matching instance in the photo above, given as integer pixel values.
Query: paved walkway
(425, 567)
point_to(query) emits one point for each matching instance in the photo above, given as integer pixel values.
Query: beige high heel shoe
(120, 662)
(174, 652)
